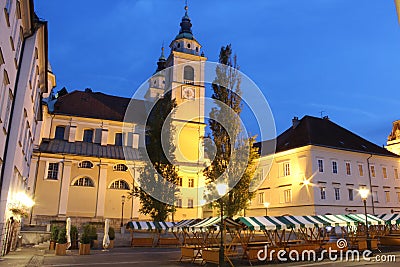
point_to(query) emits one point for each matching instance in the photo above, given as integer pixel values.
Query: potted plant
(53, 237)
(74, 237)
(93, 237)
(84, 246)
(61, 245)
(111, 235)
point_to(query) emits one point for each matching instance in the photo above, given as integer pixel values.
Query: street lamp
(266, 205)
(122, 210)
(364, 195)
(222, 189)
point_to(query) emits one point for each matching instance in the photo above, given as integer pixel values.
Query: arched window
(120, 184)
(84, 181)
(85, 164)
(120, 168)
(188, 73)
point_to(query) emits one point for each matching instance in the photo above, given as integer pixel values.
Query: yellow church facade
(78, 166)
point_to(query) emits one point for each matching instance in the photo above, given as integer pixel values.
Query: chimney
(326, 118)
(295, 122)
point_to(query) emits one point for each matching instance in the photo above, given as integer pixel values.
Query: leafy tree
(235, 155)
(159, 177)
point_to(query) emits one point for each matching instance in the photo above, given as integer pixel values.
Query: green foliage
(92, 232)
(111, 233)
(235, 154)
(74, 233)
(62, 236)
(85, 237)
(159, 176)
(54, 232)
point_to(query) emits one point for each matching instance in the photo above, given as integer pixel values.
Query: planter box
(84, 249)
(95, 244)
(61, 249)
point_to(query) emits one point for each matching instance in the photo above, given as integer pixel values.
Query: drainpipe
(370, 185)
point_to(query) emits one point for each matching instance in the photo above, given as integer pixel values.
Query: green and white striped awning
(372, 220)
(296, 222)
(180, 226)
(390, 218)
(212, 222)
(204, 224)
(150, 226)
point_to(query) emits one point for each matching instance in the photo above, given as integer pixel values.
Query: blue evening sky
(341, 57)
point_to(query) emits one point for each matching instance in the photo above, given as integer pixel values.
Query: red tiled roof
(99, 106)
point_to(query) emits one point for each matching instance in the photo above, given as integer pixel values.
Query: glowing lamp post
(364, 195)
(222, 190)
(122, 210)
(266, 205)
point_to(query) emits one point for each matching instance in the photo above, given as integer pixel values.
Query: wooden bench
(142, 242)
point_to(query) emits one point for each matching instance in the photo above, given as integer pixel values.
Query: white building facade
(24, 79)
(318, 169)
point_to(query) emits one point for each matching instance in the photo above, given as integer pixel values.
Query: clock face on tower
(188, 93)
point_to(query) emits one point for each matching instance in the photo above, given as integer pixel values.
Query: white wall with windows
(334, 177)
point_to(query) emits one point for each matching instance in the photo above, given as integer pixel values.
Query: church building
(79, 168)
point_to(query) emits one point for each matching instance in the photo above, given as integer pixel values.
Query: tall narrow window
(351, 194)
(387, 196)
(88, 136)
(396, 174)
(373, 174)
(60, 132)
(375, 195)
(190, 203)
(384, 172)
(180, 181)
(288, 195)
(8, 110)
(348, 168)
(118, 139)
(337, 193)
(360, 169)
(52, 171)
(286, 169)
(323, 192)
(261, 198)
(191, 182)
(397, 193)
(320, 165)
(334, 167)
